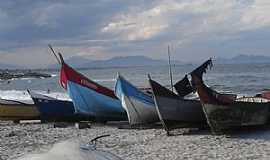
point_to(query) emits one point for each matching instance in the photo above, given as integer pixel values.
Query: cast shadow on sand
(254, 132)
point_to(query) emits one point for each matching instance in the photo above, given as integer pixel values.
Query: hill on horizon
(244, 59)
(119, 61)
(130, 61)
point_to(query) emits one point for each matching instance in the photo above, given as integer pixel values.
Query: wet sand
(18, 140)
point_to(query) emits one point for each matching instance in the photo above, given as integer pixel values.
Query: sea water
(242, 79)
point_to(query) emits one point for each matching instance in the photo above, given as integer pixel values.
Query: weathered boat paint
(224, 111)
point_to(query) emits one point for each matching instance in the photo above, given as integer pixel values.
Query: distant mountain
(244, 59)
(121, 61)
(75, 61)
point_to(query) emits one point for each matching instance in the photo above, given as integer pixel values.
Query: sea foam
(22, 95)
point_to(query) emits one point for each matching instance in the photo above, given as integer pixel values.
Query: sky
(101, 29)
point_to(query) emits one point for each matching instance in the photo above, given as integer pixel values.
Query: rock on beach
(18, 140)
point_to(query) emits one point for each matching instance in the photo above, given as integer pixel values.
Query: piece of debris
(82, 125)
(61, 125)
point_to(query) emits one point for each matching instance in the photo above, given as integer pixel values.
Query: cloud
(107, 28)
(187, 18)
(257, 15)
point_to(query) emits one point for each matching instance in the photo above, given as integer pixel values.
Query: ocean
(242, 79)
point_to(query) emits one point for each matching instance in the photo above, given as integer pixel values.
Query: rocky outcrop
(7, 75)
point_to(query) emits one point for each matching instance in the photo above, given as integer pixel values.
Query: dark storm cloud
(31, 22)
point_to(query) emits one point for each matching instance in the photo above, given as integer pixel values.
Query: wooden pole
(170, 68)
(50, 46)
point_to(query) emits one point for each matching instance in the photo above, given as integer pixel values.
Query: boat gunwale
(107, 91)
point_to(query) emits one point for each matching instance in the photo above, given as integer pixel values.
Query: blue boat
(90, 98)
(52, 109)
(140, 106)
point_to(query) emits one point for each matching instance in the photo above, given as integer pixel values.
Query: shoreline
(18, 140)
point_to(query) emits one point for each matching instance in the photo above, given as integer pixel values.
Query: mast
(170, 68)
(51, 48)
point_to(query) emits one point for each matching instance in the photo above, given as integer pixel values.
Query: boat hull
(178, 112)
(94, 104)
(139, 112)
(139, 106)
(18, 112)
(174, 111)
(52, 109)
(222, 118)
(90, 98)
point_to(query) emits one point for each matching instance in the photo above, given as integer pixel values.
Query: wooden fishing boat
(52, 109)
(16, 110)
(140, 106)
(90, 98)
(224, 111)
(175, 111)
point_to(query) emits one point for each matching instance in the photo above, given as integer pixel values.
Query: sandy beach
(19, 140)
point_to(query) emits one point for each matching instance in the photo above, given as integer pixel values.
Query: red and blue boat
(90, 98)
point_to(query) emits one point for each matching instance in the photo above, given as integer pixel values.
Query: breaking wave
(22, 95)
